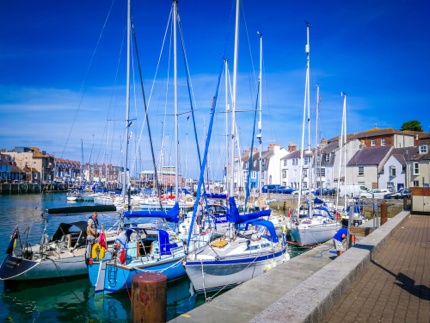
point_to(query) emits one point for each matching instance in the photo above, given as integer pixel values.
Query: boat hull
(315, 234)
(118, 277)
(211, 275)
(17, 268)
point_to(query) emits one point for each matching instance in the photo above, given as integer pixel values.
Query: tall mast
(317, 151)
(175, 85)
(260, 122)
(226, 122)
(127, 99)
(342, 149)
(306, 111)
(233, 107)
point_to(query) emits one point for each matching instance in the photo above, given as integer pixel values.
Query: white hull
(313, 234)
(208, 275)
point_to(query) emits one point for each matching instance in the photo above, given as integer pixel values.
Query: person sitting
(339, 240)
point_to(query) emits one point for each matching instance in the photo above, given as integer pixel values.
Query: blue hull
(118, 277)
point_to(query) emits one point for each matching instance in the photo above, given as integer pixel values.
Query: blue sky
(62, 73)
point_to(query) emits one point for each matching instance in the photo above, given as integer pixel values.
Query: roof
(369, 156)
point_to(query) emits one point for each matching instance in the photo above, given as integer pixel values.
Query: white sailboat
(249, 248)
(318, 225)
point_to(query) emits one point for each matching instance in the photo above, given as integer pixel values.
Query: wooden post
(405, 203)
(149, 297)
(384, 212)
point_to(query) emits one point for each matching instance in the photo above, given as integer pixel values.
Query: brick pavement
(395, 286)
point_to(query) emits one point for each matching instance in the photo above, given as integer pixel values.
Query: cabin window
(423, 149)
(383, 142)
(373, 142)
(360, 170)
(393, 171)
(416, 169)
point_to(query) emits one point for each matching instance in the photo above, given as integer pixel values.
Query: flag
(122, 256)
(12, 243)
(102, 240)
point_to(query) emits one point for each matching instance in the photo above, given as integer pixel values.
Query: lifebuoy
(98, 251)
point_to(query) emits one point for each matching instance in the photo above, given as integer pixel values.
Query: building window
(360, 170)
(253, 174)
(416, 168)
(416, 183)
(327, 157)
(423, 149)
(263, 162)
(285, 162)
(383, 142)
(373, 142)
(295, 161)
(393, 171)
(305, 173)
(284, 173)
(320, 172)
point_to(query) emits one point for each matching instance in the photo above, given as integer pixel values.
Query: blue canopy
(269, 225)
(216, 196)
(171, 215)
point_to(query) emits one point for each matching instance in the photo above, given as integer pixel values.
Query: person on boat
(93, 223)
(339, 240)
(121, 246)
(199, 215)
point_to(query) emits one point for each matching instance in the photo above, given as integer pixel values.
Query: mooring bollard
(384, 212)
(149, 297)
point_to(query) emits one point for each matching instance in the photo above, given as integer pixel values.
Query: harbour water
(70, 299)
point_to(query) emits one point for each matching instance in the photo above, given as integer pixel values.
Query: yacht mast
(260, 122)
(305, 110)
(127, 100)
(233, 108)
(175, 86)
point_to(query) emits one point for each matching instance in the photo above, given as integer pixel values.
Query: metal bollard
(149, 297)
(384, 209)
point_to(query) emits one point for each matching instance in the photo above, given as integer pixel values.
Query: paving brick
(395, 285)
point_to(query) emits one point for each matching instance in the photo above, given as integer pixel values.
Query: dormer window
(423, 149)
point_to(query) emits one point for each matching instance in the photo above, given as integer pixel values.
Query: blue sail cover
(325, 210)
(235, 217)
(216, 196)
(171, 215)
(165, 245)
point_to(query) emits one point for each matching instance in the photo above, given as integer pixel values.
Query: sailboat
(249, 248)
(153, 249)
(318, 225)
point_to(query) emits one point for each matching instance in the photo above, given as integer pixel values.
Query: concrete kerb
(309, 301)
